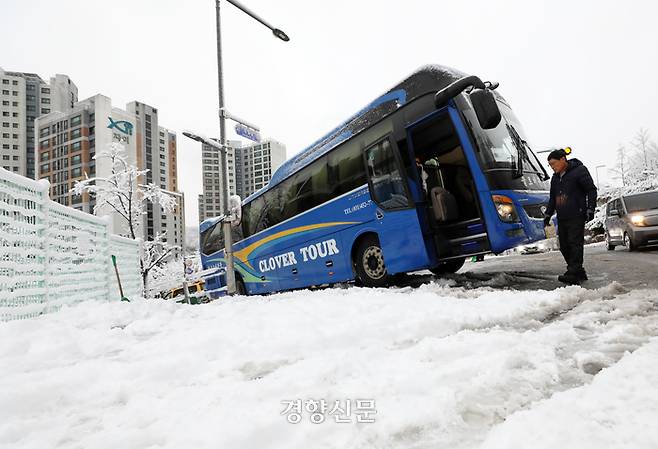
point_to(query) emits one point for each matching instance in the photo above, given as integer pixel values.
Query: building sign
(120, 138)
(121, 125)
(123, 130)
(249, 133)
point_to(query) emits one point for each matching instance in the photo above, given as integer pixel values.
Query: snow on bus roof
(424, 80)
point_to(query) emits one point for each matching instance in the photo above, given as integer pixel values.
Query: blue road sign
(247, 132)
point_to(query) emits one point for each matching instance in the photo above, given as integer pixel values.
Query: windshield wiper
(516, 140)
(546, 177)
(522, 152)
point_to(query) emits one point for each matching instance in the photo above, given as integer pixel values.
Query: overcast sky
(579, 73)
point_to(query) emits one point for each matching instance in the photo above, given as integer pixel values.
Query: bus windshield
(505, 156)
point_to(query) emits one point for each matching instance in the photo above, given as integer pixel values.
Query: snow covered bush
(165, 276)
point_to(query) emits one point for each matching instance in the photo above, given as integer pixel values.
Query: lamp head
(280, 34)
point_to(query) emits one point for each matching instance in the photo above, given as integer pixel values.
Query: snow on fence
(52, 255)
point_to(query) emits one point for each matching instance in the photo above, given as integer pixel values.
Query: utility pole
(228, 242)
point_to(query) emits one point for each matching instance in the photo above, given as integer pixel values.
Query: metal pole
(228, 243)
(186, 293)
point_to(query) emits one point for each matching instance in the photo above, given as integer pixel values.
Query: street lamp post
(226, 223)
(597, 175)
(228, 243)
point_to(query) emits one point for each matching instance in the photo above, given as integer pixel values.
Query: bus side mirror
(235, 208)
(486, 109)
(614, 213)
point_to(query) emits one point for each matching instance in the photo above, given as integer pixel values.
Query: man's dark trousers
(571, 233)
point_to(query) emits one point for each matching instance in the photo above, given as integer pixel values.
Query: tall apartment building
(249, 168)
(255, 164)
(24, 97)
(210, 202)
(68, 142)
(156, 152)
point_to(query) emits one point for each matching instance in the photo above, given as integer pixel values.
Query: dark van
(632, 220)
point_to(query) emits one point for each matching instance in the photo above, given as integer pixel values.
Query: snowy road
(447, 367)
(539, 271)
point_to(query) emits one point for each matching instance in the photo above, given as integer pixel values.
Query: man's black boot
(569, 279)
(580, 274)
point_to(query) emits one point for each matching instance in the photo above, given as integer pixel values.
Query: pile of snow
(618, 409)
(446, 367)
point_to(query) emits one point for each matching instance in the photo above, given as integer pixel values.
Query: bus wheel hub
(373, 262)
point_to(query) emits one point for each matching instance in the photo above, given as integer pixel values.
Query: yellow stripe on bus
(244, 253)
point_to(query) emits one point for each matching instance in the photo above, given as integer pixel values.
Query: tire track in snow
(594, 331)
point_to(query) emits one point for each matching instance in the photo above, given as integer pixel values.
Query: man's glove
(590, 215)
(547, 220)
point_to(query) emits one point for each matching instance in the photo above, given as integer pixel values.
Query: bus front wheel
(369, 263)
(449, 266)
(239, 286)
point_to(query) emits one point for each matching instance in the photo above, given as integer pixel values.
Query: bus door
(440, 168)
(396, 221)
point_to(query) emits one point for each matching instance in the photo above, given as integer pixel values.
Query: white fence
(51, 255)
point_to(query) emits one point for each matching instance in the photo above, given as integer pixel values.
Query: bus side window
(346, 170)
(387, 183)
(251, 216)
(309, 188)
(245, 224)
(272, 206)
(213, 239)
(292, 194)
(260, 212)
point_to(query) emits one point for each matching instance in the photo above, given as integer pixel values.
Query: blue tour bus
(434, 171)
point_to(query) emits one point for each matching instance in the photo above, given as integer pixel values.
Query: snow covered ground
(446, 366)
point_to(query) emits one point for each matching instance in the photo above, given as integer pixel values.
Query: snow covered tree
(643, 159)
(171, 274)
(122, 193)
(637, 169)
(641, 144)
(163, 273)
(620, 172)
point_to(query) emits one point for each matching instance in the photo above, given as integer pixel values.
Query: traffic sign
(247, 132)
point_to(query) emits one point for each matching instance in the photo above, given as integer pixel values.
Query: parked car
(195, 290)
(632, 220)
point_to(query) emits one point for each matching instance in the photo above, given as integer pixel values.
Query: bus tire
(449, 266)
(369, 263)
(240, 289)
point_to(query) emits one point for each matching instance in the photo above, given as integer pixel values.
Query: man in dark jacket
(573, 197)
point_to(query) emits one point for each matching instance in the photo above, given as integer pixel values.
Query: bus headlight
(637, 220)
(505, 208)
